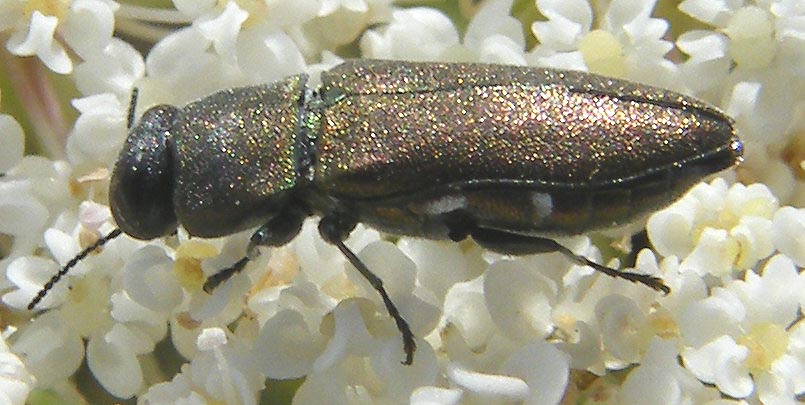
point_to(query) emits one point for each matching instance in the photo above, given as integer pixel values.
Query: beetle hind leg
(517, 244)
(334, 229)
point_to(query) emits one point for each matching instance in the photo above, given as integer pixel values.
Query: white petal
(89, 27)
(544, 368)
(721, 362)
(388, 262)
(519, 300)
(774, 296)
(754, 235)
(15, 381)
(494, 19)
(52, 351)
(266, 57)
(501, 50)
(13, 140)
(176, 391)
(21, 212)
(114, 70)
(29, 274)
(559, 60)
(714, 254)
(124, 309)
(623, 326)
(567, 22)
(435, 396)
(755, 199)
(743, 98)
(789, 233)
(703, 45)
(211, 338)
(149, 280)
(623, 13)
(223, 30)
(416, 34)
(351, 336)
(654, 381)
(669, 229)
(465, 308)
(99, 131)
(714, 12)
(399, 380)
(93, 215)
(705, 320)
(39, 41)
(440, 265)
(488, 385)
(288, 347)
(227, 374)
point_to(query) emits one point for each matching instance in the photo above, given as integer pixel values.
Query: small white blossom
(412, 34)
(15, 381)
(746, 343)
(85, 26)
(627, 43)
(659, 379)
(715, 230)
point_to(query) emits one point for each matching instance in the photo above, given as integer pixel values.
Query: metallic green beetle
(509, 156)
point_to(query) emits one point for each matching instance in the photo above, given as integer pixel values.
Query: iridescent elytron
(506, 155)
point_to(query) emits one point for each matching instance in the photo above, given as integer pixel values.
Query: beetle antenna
(77, 258)
(135, 92)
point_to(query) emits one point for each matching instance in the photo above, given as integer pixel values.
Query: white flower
(659, 379)
(412, 34)
(628, 42)
(739, 338)
(15, 381)
(85, 26)
(765, 42)
(715, 230)
(222, 372)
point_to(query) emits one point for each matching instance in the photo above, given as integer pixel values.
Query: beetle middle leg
(334, 229)
(278, 231)
(517, 244)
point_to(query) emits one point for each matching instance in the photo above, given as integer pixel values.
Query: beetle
(509, 156)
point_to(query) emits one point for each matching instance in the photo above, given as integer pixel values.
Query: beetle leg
(277, 231)
(517, 244)
(334, 230)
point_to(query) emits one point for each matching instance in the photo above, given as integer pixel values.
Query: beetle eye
(141, 190)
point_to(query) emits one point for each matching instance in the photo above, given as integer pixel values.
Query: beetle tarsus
(652, 282)
(517, 244)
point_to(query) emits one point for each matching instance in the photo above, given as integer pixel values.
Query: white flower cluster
(490, 328)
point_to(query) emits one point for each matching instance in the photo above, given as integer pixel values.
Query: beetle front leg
(517, 244)
(276, 232)
(334, 229)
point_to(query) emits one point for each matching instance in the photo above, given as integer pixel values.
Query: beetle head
(141, 190)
